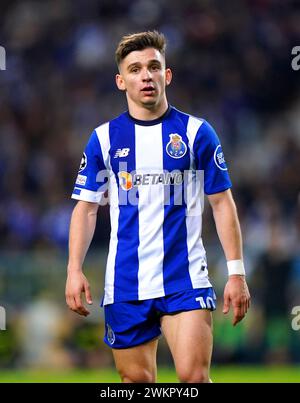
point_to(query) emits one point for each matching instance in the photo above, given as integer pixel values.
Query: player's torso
(156, 246)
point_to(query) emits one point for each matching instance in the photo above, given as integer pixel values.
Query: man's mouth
(148, 90)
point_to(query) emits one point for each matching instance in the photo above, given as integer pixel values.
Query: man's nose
(146, 75)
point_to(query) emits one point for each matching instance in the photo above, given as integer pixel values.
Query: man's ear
(120, 82)
(168, 76)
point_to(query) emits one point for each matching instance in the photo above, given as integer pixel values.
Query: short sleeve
(92, 178)
(209, 158)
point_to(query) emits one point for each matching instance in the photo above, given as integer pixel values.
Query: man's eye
(135, 70)
(155, 67)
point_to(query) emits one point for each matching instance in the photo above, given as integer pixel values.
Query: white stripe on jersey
(103, 136)
(87, 195)
(149, 158)
(193, 126)
(196, 252)
(113, 243)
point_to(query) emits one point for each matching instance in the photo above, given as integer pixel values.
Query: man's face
(143, 75)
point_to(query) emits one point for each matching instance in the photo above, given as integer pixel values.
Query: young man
(156, 275)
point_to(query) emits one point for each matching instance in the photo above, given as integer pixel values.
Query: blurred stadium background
(232, 66)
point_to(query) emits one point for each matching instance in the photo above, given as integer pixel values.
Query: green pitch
(218, 374)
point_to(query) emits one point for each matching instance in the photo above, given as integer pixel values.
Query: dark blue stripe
(176, 264)
(206, 141)
(122, 135)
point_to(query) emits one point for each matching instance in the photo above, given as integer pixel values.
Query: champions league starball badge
(176, 147)
(83, 162)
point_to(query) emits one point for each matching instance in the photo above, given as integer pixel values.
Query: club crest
(110, 334)
(176, 147)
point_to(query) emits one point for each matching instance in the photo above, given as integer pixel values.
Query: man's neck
(151, 113)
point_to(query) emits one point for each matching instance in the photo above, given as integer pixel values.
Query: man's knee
(193, 375)
(137, 375)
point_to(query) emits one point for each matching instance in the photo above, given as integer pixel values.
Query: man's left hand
(237, 294)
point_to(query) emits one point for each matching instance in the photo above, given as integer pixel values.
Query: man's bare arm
(82, 228)
(228, 228)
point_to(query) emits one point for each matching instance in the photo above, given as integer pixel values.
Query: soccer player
(155, 161)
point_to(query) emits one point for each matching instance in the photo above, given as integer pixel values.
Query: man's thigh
(137, 364)
(189, 336)
(132, 330)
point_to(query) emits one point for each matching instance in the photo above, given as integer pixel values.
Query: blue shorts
(130, 323)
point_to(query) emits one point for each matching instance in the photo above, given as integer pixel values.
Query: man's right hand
(76, 284)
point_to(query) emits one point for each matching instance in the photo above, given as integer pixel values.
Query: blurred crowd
(232, 66)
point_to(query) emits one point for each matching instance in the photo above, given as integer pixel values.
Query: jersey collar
(150, 122)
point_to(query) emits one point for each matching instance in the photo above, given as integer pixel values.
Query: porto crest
(176, 147)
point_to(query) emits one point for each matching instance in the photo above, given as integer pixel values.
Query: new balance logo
(122, 152)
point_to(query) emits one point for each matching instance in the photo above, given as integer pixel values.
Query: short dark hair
(140, 41)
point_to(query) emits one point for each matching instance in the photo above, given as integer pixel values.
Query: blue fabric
(128, 324)
(126, 263)
(178, 145)
(93, 164)
(209, 158)
(174, 227)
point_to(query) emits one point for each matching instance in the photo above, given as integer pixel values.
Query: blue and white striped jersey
(155, 172)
